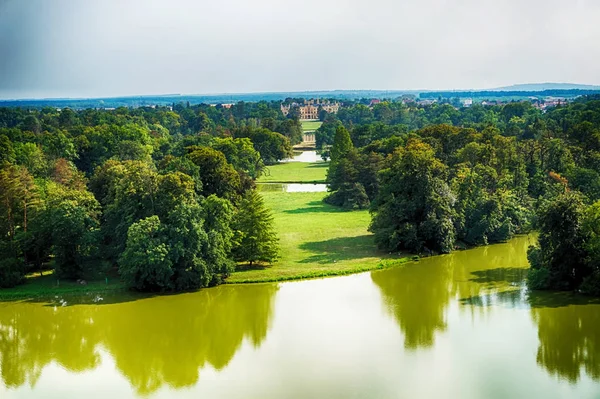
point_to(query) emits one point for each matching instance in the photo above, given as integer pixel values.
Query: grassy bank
(47, 286)
(309, 126)
(316, 240)
(295, 172)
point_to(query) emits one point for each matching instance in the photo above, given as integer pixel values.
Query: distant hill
(545, 86)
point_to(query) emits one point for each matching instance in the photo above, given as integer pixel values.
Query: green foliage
(413, 209)
(325, 134)
(218, 176)
(145, 264)
(12, 270)
(349, 196)
(241, 154)
(257, 241)
(71, 219)
(562, 239)
(273, 147)
(342, 144)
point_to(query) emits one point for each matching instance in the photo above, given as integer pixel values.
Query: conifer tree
(257, 241)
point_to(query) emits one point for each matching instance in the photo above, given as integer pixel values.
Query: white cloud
(103, 48)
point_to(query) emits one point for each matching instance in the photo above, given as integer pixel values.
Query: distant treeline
(517, 93)
(141, 101)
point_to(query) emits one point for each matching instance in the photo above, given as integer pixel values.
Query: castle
(310, 108)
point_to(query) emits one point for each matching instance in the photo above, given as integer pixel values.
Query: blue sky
(90, 48)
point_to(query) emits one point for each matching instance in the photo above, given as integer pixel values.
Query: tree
(145, 263)
(257, 241)
(71, 217)
(241, 154)
(413, 209)
(19, 201)
(342, 144)
(560, 260)
(273, 147)
(218, 176)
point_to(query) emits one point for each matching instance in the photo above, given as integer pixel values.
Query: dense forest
(163, 197)
(438, 178)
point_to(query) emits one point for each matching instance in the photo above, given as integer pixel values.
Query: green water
(454, 326)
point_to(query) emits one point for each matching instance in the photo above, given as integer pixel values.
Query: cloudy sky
(86, 48)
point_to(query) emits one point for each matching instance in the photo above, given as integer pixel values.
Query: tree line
(165, 197)
(437, 178)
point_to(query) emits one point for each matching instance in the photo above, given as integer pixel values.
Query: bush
(349, 196)
(538, 279)
(591, 284)
(12, 272)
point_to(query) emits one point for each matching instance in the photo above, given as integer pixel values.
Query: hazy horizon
(96, 49)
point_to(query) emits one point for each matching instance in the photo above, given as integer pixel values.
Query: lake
(292, 187)
(305, 156)
(453, 326)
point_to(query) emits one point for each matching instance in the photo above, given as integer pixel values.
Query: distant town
(309, 104)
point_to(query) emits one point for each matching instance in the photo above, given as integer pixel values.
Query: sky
(102, 48)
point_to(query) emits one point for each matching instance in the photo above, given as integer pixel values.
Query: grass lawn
(46, 286)
(316, 240)
(309, 126)
(295, 172)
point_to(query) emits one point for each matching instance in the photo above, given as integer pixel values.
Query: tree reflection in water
(418, 294)
(569, 336)
(154, 341)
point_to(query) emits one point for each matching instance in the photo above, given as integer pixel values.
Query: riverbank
(47, 286)
(316, 240)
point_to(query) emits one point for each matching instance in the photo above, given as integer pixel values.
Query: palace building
(310, 108)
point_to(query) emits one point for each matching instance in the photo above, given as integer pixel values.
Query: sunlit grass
(316, 240)
(295, 172)
(309, 126)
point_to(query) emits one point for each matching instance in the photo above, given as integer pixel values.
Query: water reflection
(465, 319)
(155, 341)
(417, 302)
(569, 338)
(305, 156)
(418, 294)
(292, 187)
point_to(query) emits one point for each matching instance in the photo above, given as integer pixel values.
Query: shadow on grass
(316, 207)
(319, 165)
(340, 249)
(256, 266)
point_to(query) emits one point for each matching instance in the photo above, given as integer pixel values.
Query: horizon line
(130, 96)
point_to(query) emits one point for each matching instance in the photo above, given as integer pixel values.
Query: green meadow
(309, 126)
(295, 172)
(316, 240)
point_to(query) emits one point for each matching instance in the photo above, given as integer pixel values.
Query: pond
(454, 326)
(305, 156)
(292, 187)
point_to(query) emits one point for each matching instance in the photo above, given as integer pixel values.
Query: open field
(295, 172)
(309, 126)
(316, 240)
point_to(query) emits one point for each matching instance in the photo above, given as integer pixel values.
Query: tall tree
(342, 144)
(560, 260)
(257, 240)
(413, 209)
